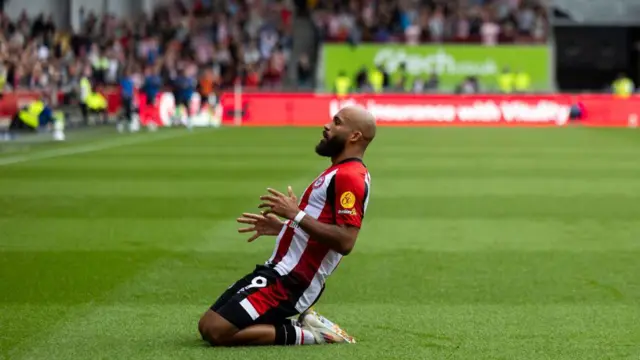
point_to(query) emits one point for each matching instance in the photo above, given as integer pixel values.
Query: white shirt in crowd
(412, 34)
(436, 27)
(112, 72)
(489, 32)
(268, 40)
(526, 20)
(43, 52)
(251, 55)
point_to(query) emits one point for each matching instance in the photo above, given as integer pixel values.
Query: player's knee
(215, 330)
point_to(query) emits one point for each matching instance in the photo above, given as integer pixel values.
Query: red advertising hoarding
(435, 110)
(11, 101)
(307, 109)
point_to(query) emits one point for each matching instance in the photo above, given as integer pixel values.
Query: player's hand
(263, 224)
(280, 204)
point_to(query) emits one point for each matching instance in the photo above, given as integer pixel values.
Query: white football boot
(323, 330)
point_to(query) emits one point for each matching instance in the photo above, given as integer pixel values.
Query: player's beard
(331, 147)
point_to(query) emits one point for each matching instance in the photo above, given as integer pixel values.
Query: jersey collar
(350, 160)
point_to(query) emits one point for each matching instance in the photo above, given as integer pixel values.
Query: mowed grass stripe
(384, 187)
(425, 277)
(98, 145)
(308, 162)
(577, 207)
(262, 172)
(378, 235)
(418, 332)
(132, 234)
(391, 149)
(220, 153)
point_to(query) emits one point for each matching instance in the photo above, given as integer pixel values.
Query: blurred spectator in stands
(506, 80)
(304, 71)
(577, 110)
(127, 93)
(623, 86)
(377, 77)
(412, 32)
(401, 80)
(343, 85)
(469, 85)
(540, 26)
(252, 77)
(275, 70)
(251, 53)
(526, 18)
(522, 81)
(425, 84)
(490, 30)
(152, 84)
(437, 24)
(433, 83)
(419, 85)
(207, 83)
(430, 21)
(361, 79)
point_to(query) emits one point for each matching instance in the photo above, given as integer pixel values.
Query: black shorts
(262, 297)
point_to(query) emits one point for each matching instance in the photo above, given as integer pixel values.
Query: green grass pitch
(478, 243)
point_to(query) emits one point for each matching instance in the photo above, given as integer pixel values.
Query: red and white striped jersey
(340, 196)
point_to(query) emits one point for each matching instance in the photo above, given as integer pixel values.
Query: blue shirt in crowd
(152, 85)
(126, 87)
(185, 87)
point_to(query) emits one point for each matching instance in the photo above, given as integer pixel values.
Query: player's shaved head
(359, 119)
(348, 134)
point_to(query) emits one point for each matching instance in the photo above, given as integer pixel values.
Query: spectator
(207, 36)
(489, 30)
(468, 86)
(414, 22)
(436, 25)
(361, 80)
(412, 33)
(305, 72)
(252, 77)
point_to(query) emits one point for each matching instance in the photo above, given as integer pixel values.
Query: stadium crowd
(217, 42)
(418, 21)
(223, 41)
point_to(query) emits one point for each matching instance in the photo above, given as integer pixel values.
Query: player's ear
(356, 135)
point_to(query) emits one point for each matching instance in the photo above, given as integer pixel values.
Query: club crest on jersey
(318, 182)
(347, 200)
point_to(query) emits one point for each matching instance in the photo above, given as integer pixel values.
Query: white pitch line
(73, 150)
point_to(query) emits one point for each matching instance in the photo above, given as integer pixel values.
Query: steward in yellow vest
(623, 86)
(522, 82)
(376, 79)
(91, 102)
(342, 85)
(506, 81)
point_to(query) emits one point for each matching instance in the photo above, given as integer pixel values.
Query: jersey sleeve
(350, 195)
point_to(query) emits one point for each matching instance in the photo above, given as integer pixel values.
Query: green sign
(452, 63)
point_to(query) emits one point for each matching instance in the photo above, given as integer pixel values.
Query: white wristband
(299, 217)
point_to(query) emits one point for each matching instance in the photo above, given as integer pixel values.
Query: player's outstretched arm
(263, 224)
(340, 238)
